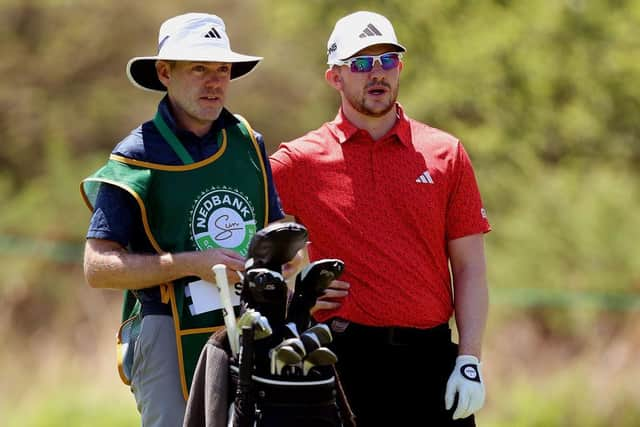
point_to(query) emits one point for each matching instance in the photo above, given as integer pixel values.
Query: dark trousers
(397, 376)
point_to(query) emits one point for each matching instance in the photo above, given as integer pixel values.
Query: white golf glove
(466, 381)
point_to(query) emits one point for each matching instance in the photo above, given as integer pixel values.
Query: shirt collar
(343, 129)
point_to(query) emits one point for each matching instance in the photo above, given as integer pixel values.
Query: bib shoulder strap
(172, 139)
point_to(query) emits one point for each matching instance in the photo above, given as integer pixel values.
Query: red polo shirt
(387, 209)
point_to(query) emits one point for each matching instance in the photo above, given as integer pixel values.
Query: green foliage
(565, 229)
(566, 400)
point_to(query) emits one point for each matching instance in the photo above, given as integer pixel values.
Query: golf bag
(283, 374)
(274, 401)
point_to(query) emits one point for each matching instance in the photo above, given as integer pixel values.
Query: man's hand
(293, 267)
(332, 297)
(202, 261)
(466, 382)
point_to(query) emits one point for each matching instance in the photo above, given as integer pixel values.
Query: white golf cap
(189, 37)
(357, 31)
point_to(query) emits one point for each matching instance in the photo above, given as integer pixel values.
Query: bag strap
(172, 139)
(346, 413)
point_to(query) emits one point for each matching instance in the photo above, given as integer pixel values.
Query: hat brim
(346, 54)
(141, 70)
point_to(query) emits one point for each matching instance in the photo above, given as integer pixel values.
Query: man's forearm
(471, 309)
(118, 269)
(470, 292)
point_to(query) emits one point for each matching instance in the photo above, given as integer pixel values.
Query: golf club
(281, 356)
(275, 245)
(296, 344)
(266, 291)
(320, 357)
(290, 330)
(311, 341)
(259, 323)
(323, 332)
(220, 270)
(310, 284)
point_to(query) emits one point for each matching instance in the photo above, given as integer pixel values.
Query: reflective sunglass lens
(362, 64)
(389, 61)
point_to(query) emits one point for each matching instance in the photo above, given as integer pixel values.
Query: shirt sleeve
(283, 168)
(113, 215)
(466, 214)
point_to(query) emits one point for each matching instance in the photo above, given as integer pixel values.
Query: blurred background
(544, 95)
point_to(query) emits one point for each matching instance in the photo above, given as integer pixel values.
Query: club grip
(220, 270)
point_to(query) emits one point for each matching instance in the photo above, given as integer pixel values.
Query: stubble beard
(359, 104)
(202, 114)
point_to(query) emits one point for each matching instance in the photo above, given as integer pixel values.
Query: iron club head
(319, 357)
(281, 356)
(323, 332)
(290, 330)
(310, 340)
(296, 344)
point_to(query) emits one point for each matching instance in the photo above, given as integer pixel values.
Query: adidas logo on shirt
(212, 34)
(424, 178)
(370, 30)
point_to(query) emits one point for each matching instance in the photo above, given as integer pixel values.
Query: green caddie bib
(219, 202)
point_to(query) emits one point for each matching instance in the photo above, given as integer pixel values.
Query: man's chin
(210, 114)
(379, 111)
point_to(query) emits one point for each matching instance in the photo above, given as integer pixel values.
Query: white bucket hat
(357, 31)
(189, 37)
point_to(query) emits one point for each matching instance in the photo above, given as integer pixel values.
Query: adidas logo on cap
(370, 30)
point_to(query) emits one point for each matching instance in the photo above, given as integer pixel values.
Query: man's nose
(377, 65)
(212, 79)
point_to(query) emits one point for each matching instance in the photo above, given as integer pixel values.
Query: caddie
(181, 193)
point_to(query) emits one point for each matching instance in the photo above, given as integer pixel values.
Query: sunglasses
(364, 64)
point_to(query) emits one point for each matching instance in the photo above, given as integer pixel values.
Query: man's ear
(164, 72)
(333, 77)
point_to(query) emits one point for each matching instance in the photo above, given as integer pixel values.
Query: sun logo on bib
(223, 218)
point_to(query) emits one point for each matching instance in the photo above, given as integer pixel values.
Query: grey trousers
(156, 379)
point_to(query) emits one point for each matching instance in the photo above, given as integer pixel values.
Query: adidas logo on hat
(370, 30)
(213, 34)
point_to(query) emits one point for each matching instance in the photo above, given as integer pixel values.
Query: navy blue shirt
(116, 214)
